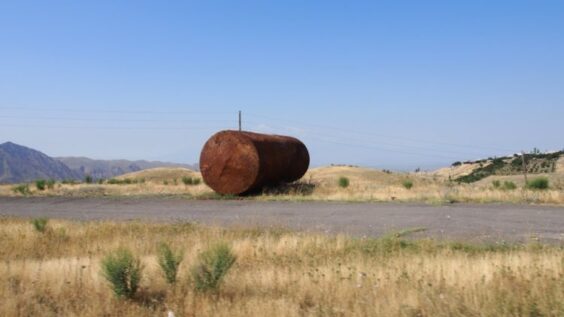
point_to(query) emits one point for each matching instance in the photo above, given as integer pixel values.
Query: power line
(368, 146)
(112, 120)
(185, 128)
(381, 136)
(74, 110)
(422, 151)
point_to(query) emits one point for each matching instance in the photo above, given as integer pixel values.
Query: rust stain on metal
(238, 162)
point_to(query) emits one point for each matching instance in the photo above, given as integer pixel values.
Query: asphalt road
(462, 222)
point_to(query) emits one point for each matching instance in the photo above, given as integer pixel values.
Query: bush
(407, 184)
(496, 183)
(123, 271)
(191, 181)
(509, 185)
(51, 184)
(126, 181)
(344, 182)
(187, 180)
(213, 264)
(169, 262)
(39, 224)
(88, 179)
(538, 183)
(22, 189)
(40, 184)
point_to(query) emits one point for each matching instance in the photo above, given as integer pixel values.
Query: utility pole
(239, 120)
(524, 167)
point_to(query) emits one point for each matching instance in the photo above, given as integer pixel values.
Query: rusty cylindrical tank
(238, 162)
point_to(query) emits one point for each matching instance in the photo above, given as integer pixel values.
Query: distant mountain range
(22, 164)
(19, 164)
(110, 168)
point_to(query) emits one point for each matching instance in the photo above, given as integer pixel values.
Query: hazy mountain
(21, 164)
(111, 168)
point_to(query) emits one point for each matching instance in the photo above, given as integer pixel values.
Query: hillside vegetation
(57, 272)
(536, 163)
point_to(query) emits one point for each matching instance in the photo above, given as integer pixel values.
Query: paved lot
(473, 223)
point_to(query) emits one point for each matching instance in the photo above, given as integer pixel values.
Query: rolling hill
(103, 169)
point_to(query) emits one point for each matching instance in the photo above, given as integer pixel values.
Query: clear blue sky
(396, 84)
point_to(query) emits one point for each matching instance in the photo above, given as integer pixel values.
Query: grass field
(277, 273)
(322, 184)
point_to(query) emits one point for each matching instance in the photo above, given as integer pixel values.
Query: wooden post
(524, 167)
(239, 120)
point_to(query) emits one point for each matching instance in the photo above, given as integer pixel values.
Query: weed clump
(123, 270)
(126, 181)
(40, 184)
(496, 183)
(191, 181)
(344, 182)
(509, 185)
(88, 179)
(51, 184)
(538, 183)
(169, 262)
(213, 264)
(22, 189)
(407, 184)
(40, 224)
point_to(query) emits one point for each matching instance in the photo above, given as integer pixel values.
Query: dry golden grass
(375, 185)
(457, 171)
(321, 184)
(277, 273)
(560, 165)
(162, 174)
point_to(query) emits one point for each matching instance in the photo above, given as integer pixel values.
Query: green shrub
(496, 183)
(123, 272)
(407, 184)
(88, 179)
(165, 182)
(169, 262)
(538, 183)
(343, 182)
(40, 184)
(51, 184)
(22, 189)
(187, 180)
(126, 181)
(39, 224)
(212, 266)
(509, 185)
(191, 181)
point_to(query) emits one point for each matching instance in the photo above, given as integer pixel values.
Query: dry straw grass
(322, 184)
(277, 273)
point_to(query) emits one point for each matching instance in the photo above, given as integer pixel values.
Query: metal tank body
(239, 162)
